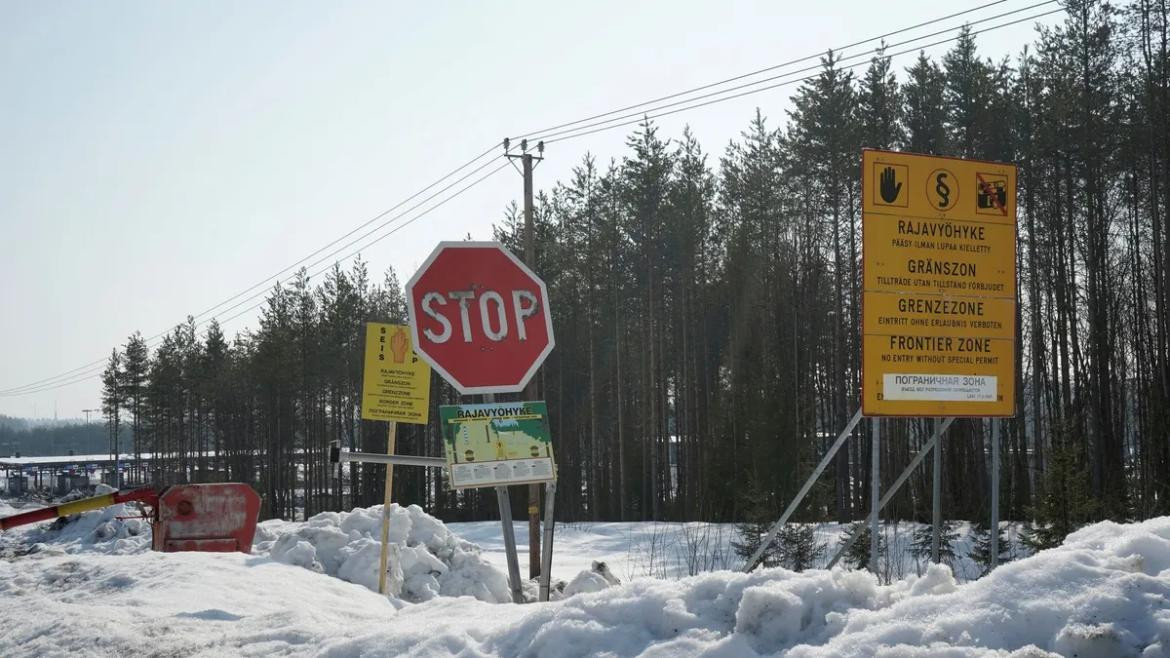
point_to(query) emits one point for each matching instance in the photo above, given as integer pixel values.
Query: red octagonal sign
(480, 317)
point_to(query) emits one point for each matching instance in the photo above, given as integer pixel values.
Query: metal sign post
(994, 492)
(510, 543)
(936, 498)
(550, 491)
(339, 456)
(875, 490)
(505, 503)
(852, 539)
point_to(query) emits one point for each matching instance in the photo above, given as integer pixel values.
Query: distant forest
(30, 439)
(707, 310)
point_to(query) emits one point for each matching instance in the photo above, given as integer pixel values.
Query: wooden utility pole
(532, 391)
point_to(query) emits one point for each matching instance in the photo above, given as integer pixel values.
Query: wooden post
(392, 435)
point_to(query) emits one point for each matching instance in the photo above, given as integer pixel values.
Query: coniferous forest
(706, 301)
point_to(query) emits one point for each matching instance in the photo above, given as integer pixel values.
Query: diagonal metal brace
(852, 539)
(808, 484)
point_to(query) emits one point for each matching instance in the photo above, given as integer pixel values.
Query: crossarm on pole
(399, 460)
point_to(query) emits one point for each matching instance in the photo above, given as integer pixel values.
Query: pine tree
(881, 105)
(113, 400)
(923, 541)
(924, 108)
(981, 547)
(135, 368)
(645, 180)
(1066, 502)
(823, 136)
(759, 508)
(799, 548)
(968, 94)
(858, 554)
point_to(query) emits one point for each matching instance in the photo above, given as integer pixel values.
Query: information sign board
(497, 444)
(939, 286)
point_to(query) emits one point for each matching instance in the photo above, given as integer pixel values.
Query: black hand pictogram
(889, 187)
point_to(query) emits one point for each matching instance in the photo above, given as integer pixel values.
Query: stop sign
(480, 317)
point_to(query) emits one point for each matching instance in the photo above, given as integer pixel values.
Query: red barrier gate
(214, 518)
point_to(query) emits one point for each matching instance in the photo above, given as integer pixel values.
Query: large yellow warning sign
(396, 384)
(939, 286)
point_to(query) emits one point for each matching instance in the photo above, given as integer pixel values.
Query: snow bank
(175, 604)
(426, 559)
(1105, 593)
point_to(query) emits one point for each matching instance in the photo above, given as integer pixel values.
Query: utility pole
(87, 412)
(532, 391)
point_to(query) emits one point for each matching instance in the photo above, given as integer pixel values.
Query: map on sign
(493, 444)
(396, 383)
(939, 286)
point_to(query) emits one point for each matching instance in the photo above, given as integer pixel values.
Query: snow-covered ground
(92, 589)
(674, 550)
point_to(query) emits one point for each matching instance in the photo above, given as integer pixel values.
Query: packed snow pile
(592, 580)
(426, 559)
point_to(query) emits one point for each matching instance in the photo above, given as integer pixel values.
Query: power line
(756, 72)
(99, 363)
(81, 377)
(788, 82)
(378, 228)
(547, 137)
(373, 219)
(55, 386)
(386, 235)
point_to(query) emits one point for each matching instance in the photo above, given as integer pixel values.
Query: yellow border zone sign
(939, 286)
(396, 384)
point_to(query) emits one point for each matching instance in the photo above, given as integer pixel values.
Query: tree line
(20, 437)
(707, 311)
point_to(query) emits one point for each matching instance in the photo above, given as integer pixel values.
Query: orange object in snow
(215, 518)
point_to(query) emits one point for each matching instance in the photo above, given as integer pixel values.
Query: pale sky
(157, 158)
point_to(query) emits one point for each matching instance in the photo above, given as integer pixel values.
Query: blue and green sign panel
(496, 444)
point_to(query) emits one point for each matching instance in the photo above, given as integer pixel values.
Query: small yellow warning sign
(396, 383)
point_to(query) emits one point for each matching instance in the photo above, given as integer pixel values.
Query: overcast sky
(158, 158)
